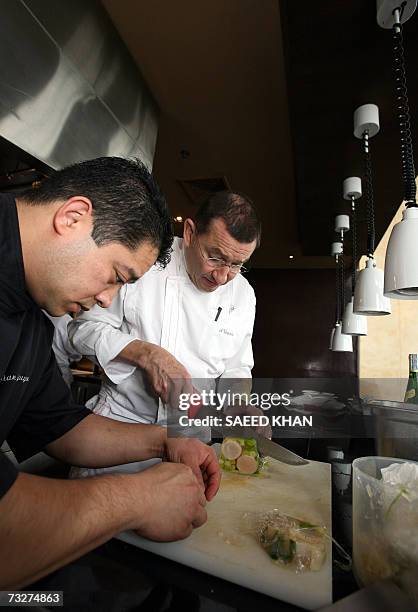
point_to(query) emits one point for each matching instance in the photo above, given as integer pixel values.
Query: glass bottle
(411, 393)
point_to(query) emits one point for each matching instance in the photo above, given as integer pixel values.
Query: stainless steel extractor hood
(69, 90)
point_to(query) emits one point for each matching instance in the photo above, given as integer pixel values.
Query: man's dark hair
(237, 211)
(128, 206)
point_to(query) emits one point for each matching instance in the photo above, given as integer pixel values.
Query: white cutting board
(221, 548)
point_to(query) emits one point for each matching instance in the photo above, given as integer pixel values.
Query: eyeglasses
(217, 262)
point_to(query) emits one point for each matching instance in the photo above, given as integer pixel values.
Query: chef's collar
(182, 264)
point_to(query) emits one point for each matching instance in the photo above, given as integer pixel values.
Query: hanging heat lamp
(368, 294)
(336, 249)
(401, 263)
(353, 324)
(339, 341)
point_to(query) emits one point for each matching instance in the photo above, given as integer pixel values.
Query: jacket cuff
(116, 369)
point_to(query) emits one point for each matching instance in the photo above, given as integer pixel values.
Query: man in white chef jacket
(193, 319)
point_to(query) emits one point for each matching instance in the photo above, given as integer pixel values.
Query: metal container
(395, 426)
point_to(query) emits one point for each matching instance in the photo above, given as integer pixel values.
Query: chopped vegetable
(289, 540)
(240, 455)
(282, 549)
(247, 464)
(231, 449)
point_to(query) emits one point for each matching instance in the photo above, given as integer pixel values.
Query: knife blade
(265, 446)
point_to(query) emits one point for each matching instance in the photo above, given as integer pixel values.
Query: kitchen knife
(265, 446)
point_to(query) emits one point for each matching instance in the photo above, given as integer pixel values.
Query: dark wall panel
(295, 314)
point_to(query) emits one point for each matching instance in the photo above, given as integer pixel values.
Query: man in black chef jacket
(65, 246)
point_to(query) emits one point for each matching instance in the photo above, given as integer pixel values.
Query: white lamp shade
(401, 263)
(336, 248)
(341, 342)
(331, 338)
(353, 324)
(352, 188)
(366, 117)
(368, 294)
(342, 223)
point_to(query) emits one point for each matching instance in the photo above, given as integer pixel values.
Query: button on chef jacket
(165, 308)
(35, 404)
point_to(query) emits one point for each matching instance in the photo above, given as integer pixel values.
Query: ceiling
(260, 94)
(217, 72)
(337, 59)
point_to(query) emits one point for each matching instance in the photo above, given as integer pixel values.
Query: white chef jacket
(64, 351)
(165, 308)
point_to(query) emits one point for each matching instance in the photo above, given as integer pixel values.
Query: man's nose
(105, 297)
(221, 275)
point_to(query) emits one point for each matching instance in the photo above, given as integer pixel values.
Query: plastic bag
(403, 476)
(289, 541)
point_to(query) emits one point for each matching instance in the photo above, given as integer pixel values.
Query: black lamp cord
(354, 231)
(342, 285)
(339, 283)
(337, 286)
(368, 175)
(402, 106)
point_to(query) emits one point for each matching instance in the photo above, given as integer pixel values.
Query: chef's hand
(172, 502)
(263, 430)
(200, 458)
(167, 376)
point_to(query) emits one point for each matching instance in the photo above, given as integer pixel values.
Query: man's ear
(189, 229)
(75, 214)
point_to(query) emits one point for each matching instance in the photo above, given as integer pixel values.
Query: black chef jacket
(35, 403)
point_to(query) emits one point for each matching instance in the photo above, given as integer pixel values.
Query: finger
(212, 485)
(183, 387)
(187, 531)
(213, 475)
(200, 518)
(198, 474)
(202, 498)
(175, 392)
(188, 387)
(162, 390)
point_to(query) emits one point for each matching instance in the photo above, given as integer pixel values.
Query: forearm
(136, 352)
(46, 523)
(100, 442)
